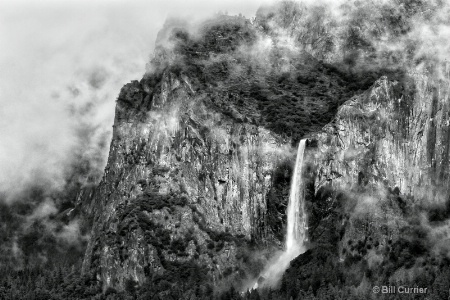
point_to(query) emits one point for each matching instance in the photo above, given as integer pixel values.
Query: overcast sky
(62, 65)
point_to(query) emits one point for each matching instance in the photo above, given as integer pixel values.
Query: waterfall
(296, 216)
(296, 228)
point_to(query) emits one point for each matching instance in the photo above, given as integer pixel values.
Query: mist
(63, 65)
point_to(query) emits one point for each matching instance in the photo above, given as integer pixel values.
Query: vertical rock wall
(212, 173)
(391, 136)
(387, 151)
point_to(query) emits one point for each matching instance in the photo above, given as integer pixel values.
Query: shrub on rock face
(178, 245)
(210, 245)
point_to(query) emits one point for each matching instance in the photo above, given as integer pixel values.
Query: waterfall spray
(296, 227)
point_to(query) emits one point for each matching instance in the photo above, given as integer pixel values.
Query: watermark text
(402, 289)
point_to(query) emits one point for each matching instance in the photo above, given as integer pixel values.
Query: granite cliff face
(393, 137)
(193, 200)
(199, 167)
(379, 186)
(181, 170)
(188, 182)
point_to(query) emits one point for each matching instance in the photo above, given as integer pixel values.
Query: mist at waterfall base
(296, 229)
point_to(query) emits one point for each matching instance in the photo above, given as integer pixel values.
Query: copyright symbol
(376, 289)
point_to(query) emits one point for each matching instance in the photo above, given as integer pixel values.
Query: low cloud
(71, 233)
(43, 210)
(57, 93)
(63, 66)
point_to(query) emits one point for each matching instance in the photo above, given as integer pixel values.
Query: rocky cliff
(181, 170)
(392, 135)
(199, 165)
(192, 201)
(195, 189)
(392, 139)
(378, 193)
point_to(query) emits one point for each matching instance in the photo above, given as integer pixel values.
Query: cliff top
(253, 76)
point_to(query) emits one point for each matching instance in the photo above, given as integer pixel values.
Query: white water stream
(296, 228)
